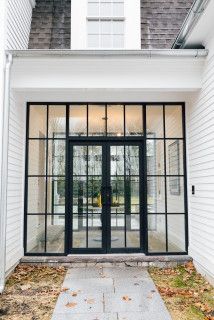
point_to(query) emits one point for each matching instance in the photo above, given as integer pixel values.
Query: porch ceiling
(170, 70)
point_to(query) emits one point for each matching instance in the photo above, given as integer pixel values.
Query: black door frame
(106, 142)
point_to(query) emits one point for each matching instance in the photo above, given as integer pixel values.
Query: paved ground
(109, 293)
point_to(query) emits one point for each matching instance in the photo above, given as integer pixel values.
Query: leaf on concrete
(25, 287)
(71, 304)
(126, 298)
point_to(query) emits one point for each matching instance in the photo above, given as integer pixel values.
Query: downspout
(4, 169)
(194, 14)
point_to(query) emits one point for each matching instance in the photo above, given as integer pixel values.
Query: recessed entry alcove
(105, 178)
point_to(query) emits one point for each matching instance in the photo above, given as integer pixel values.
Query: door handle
(106, 196)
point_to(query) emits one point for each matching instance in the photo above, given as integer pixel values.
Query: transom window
(105, 24)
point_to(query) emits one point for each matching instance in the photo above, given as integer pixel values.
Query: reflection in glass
(96, 120)
(156, 194)
(174, 157)
(117, 231)
(36, 233)
(56, 157)
(94, 160)
(38, 121)
(175, 194)
(94, 231)
(173, 119)
(94, 194)
(78, 120)
(155, 157)
(132, 160)
(37, 157)
(176, 232)
(154, 121)
(117, 160)
(156, 233)
(79, 160)
(57, 122)
(117, 195)
(115, 120)
(55, 233)
(134, 120)
(79, 195)
(79, 231)
(133, 231)
(56, 195)
(36, 194)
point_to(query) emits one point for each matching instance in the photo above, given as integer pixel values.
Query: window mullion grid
(165, 179)
(46, 179)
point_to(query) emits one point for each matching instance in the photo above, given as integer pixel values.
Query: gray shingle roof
(160, 23)
(51, 25)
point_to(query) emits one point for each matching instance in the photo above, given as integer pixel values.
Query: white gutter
(193, 16)
(4, 169)
(147, 54)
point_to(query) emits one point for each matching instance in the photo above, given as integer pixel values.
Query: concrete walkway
(105, 292)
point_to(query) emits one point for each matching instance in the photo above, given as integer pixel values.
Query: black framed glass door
(105, 197)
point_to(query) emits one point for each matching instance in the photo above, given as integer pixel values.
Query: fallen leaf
(71, 304)
(64, 289)
(74, 294)
(126, 298)
(90, 301)
(25, 287)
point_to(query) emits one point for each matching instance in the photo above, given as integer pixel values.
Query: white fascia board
(106, 72)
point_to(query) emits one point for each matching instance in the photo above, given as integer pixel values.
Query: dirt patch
(31, 293)
(187, 294)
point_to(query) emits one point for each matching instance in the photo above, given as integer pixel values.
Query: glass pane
(79, 195)
(94, 195)
(36, 194)
(118, 9)
(175, 195)
(117, 195)
(77, 120)
(56, 195)
(94, 160)
(55, 234)
(93, 27)
(134, 120)
(38, 121)
(117, 230)
(93, 41)
(115, 120)
(105, 27)
(132, 160)
(56, 157)
(96, 120)
(156, 233)
(93, 9)
(118, 27)
(155, 157)
(36, 234)
(94, 231)
(105, 9)
(156, 194)
(134, 195)
(176, 232)
(37, 157)
(79, 160)
(133, 231)
(79, 231)
(118, 41)
(154, 121)
(106, 41)
(173, 120)
(57, 122)
(117, 160)
(174, 157)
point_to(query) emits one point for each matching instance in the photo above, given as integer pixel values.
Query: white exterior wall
(200, 133)
(19, 14)
(18, 24)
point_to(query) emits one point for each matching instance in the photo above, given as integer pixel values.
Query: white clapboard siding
(15, 198)
(19, 14)
(200, 151)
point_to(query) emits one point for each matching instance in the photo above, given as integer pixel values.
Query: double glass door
(105, 197)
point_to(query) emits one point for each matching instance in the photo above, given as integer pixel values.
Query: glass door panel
(87, 203)
(125, 196)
